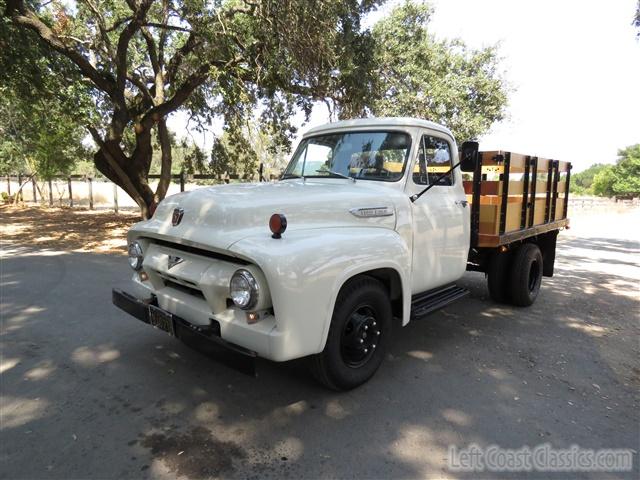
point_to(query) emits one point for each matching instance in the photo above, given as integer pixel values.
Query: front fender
(305, 270)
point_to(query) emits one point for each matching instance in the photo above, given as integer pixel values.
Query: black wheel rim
(360, 336)
(534, 276)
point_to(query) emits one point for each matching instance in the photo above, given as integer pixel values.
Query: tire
(362, 308)
(526, 275)
(498, 275)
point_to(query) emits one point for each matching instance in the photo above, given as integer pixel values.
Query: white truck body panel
(424, 243)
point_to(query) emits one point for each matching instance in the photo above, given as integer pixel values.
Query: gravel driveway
(88, 392)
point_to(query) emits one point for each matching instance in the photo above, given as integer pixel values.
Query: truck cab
(370, 221)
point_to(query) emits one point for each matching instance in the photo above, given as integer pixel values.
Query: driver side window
(434, 159)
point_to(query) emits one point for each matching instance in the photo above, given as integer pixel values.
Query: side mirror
(469, 156)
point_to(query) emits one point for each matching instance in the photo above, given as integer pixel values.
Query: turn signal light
(277, 225)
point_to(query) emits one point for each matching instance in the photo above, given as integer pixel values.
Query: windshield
(367, 155)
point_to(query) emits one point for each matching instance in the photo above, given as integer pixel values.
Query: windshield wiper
(284, 176)
(337, 174)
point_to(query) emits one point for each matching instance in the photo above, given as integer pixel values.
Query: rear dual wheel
(515, 277)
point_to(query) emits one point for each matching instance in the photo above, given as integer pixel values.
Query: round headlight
(135, 256)
(243, 289)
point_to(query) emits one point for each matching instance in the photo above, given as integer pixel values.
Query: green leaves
(582, 182)
(441, 81)
(622, 179)
(42, 104)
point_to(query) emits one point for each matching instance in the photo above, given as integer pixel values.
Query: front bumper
(205, 339)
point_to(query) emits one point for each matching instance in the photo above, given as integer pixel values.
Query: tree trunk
(20, 187)
(165, 170)
(132, 178)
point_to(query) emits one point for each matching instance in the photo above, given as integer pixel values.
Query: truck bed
(515, 196)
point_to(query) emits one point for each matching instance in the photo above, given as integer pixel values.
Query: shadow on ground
(89, 392)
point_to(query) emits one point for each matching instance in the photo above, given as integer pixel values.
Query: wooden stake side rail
(515, 196)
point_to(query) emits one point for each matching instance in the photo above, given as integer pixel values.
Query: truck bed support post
(505, 192)
(534, 177)
(525, 193)
(547, 208)
(475, 201)
(554, 201)
(566, 192)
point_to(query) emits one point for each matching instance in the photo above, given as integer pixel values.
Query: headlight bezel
(253, 289)
(136, 255)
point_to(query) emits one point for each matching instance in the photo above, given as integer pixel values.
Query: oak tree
(142, 60)
(418, 75)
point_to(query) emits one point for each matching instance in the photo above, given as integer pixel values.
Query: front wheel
(358, 335)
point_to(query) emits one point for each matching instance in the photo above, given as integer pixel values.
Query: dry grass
(66, 229)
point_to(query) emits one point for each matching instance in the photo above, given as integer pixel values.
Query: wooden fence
(20, 181)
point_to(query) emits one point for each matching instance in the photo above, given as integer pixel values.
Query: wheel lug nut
(373, 346)
(366, 350)
(366, 327)
(361, 340)
(374, 324)
(377, 332)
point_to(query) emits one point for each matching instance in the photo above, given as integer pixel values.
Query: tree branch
(176, 61)
(21, 15)
(179, 97)
(139, 13)
(164, 26)
(102, 28)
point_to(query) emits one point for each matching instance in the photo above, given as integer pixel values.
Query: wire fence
(91, 192)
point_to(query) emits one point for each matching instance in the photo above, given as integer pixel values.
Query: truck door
(440, 216)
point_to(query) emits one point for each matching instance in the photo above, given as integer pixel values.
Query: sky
(574, 67)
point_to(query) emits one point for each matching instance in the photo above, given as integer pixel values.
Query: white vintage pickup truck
(371, 221)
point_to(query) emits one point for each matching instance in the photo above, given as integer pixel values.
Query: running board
(425, 303)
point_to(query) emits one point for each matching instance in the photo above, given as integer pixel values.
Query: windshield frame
(305, 140)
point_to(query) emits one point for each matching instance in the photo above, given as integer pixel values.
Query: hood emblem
(176, 218)
(368, 212)
(173, 260)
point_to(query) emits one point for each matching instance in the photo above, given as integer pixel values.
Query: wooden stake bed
(515, 196)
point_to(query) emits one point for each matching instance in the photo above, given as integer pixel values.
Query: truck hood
(216, 217)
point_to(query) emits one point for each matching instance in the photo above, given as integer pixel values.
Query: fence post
(50, 193)
(90, 184)
(115, 198)
(8, 185)
(182, 180)
(33, 185)
(70, 193)
(19, 192)
(261, 171)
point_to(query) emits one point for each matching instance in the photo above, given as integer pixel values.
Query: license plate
(161, 319)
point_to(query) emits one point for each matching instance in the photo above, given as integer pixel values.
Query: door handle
(464, 203)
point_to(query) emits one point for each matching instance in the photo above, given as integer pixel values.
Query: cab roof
(378, 123)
